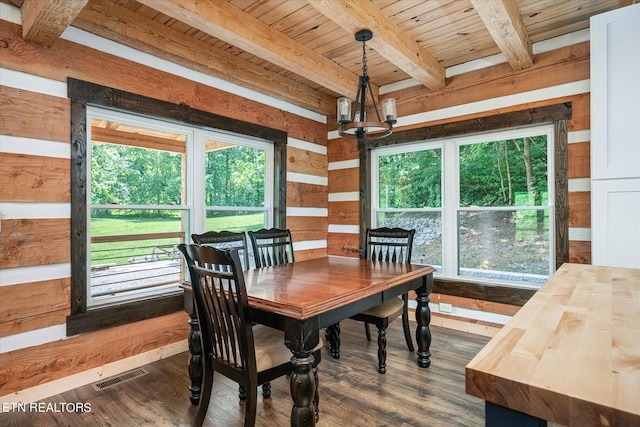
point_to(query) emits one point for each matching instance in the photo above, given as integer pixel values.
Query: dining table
(304, 297)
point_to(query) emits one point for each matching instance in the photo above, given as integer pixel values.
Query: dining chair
(247, 353)
(226, 240)
(387, 245)
(272, 246)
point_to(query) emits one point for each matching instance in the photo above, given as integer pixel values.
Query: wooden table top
(571, 355)
(304, 289)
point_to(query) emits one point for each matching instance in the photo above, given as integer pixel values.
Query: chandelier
(353, 119)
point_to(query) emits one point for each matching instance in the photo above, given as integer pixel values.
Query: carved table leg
(332, 334)
(301, 337)
(423, 317)
(382, 351)
(303, 390)
(195, 360)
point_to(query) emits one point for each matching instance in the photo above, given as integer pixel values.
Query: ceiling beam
(44, 21)
(232, 25)
(388, 40)
(119, 24)
(504, 23)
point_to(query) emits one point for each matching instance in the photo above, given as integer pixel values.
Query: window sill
(108, 317)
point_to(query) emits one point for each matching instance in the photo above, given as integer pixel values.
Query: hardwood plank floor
(352, 393)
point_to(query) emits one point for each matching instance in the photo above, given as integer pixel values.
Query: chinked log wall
(26, 243)
(25, 178)
(551, 69)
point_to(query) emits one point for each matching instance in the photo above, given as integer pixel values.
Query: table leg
(332, 334)
(300, 338)
(423, 317)
(195, 360)
(303, 390)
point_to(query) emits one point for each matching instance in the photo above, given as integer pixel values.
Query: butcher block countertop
(571, 355)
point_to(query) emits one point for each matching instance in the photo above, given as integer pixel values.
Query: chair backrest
(225, 240)
(389, 244)
(271, 247)
(222, 308)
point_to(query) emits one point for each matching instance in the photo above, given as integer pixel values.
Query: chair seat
(386, 309)
(270, 348)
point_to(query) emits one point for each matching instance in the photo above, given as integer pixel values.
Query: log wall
(35, 189)
(322, 185)
(538, 86)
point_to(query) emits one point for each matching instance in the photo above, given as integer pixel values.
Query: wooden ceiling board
(257, 8)
(451, 31)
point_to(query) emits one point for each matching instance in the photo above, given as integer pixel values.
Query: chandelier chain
(364, 59)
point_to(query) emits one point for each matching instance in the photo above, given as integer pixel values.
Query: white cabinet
(615, 138)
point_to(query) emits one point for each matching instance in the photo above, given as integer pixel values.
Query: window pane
(235, 220)
(411, 179)
(504, 173)
(149, 173)
(235, 175)
(427, 242)
(135, 250)
(504, 245)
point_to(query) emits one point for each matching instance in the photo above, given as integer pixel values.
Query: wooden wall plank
(342, 149)
(25, 178)
(344, 212)
(343, 180)
(496, 293)
(311, 254)
(581, 117)
(475, 304)
(579, 252)
(580, 209)
(580, 160)
(32, 366)
(27, 242)
(343, 244)
(34, 115)
(301, 194)
(32, 323)
(307, 228)
(307, 162)
(28, 299)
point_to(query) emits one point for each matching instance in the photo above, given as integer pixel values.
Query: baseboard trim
(80, 379)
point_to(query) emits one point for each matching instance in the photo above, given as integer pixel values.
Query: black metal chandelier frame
(355, 125)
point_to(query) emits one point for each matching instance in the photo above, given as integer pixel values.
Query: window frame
(82, 94)
(558, 115)
(450, 206)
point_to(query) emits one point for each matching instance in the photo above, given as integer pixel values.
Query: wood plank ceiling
(303, 51)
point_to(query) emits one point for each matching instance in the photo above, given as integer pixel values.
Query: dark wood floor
(352, 393)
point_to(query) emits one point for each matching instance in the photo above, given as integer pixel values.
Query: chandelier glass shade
(352, 114)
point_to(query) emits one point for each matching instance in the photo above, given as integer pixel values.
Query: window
(145, 175)
(481, 205)
(144, 199)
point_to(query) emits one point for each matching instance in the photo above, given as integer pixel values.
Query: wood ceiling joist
(226, 22)
(504, 22)
(129, 28)
(389, 41)
(44, 21)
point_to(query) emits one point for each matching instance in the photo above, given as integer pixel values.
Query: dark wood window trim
(84, 93)
(557, 114)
